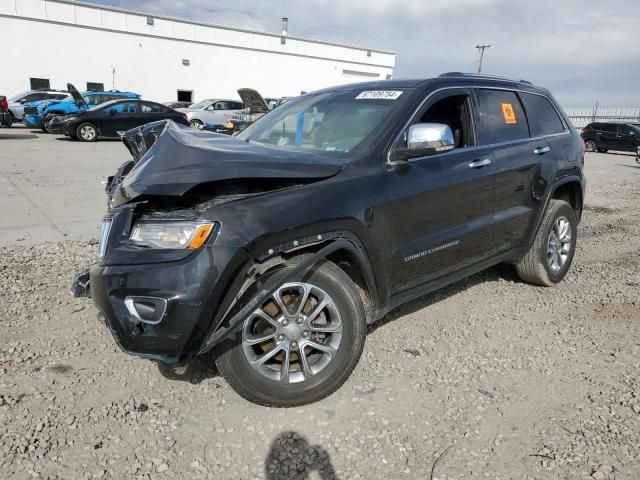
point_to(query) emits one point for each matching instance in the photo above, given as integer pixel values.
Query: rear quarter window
(501, 116)
(543, 117)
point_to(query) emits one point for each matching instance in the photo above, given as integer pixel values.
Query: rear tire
(298, 373)
(87, 132)
(591, 145)
(549, 258)
(10, 121)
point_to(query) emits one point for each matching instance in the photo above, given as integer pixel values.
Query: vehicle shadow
(493, 274)
(628, 166)
(195, 370)
(621, 154)
(292, 458)
(9, 136)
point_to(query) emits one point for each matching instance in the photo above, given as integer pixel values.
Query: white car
(16, 103)
(212, 112)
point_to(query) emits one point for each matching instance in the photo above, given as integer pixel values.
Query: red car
(5, 116)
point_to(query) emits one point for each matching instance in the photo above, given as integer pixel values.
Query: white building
(47, 43)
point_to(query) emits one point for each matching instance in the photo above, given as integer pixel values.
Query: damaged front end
(169, 247)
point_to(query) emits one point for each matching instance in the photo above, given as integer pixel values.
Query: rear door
(120, 118)
(607, 136)
(524, 164)
(442, 205)
(626, 138)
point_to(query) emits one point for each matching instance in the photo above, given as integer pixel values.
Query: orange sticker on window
(508, 113)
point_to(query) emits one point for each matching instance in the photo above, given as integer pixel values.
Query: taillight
(184, 115)
(4, 104)
(586, 129)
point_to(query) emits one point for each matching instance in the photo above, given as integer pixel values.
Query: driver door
(442, 205)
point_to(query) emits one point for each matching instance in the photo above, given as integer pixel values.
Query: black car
(604, 136)
(108, 119)
(275, 248)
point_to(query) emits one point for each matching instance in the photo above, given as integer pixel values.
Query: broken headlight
(170, 234)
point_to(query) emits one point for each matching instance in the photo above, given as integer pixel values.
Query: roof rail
(481, 75)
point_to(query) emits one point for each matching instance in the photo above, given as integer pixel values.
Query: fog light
(149, 310)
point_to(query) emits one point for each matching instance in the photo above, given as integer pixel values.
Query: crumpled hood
(171, 159)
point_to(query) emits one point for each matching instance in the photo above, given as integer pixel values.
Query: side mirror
(22, 101)
(425, 139)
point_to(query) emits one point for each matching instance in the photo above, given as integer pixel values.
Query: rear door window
(152, 108)
(501, 116)
(543, 117)
(609, 127)
(122, 107)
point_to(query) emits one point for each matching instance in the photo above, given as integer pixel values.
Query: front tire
(87, 132)
(195, 123)
(302, 344)
(46, 121)
(549, 258)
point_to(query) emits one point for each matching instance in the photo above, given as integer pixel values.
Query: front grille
(105, 228)
(30, 110)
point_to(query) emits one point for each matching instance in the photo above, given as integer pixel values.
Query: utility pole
(481, 49)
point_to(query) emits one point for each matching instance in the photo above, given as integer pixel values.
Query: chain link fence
(582, 116)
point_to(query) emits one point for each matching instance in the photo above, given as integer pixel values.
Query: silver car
(16, 103)
(212, 112)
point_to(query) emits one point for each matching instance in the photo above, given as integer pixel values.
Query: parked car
(42, 114)
(276, 247)
(17, 102)
(5, 115)
(175, 105)
(604, 136)
(108, 119)
(213, 112)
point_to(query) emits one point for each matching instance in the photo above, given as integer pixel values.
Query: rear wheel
(195, 123)
(87, 132)
(550, 256)
(301, 344)
(591, 145)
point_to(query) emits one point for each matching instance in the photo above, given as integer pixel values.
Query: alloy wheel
(294, 335)
(87, 132)
(559, 244)
(591, 145)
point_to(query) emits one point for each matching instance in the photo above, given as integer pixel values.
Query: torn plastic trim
(270, 286)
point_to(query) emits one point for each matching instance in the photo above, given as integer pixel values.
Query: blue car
(41, 114)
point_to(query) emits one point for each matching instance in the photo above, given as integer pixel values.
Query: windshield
(17, 97)
(331, 122)
(202, 104)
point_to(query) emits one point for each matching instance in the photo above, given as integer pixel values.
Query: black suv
(603, 136)
(275, 248)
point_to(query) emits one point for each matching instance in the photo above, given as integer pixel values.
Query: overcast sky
(583, 51)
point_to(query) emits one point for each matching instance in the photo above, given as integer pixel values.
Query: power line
(481, 49)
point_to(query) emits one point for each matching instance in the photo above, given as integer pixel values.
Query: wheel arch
(570, 190)
(342, 248)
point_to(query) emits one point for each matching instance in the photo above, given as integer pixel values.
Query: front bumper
(184, 294)
(31, 120)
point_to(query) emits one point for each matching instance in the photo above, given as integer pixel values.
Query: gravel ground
(489, 377)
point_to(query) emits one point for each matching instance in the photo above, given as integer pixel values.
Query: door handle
(541, 150)
(618, 136)
(480, 163)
